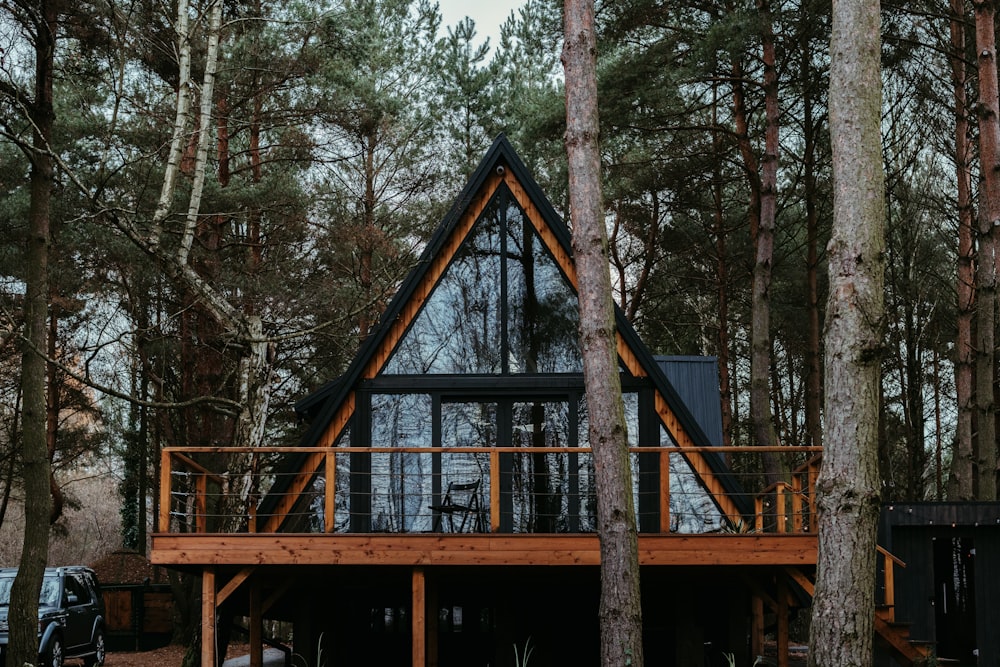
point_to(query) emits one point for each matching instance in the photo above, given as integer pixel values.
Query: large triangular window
(502, 306)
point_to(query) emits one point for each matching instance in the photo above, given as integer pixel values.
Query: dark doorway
(955, 598)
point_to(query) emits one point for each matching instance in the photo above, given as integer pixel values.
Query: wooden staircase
(895, 635)
(907, 652)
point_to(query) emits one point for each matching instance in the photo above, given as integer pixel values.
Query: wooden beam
(208, 608)
(233, 584)
(801, 579)
(697, 460)
(419, 619)
(413, 549)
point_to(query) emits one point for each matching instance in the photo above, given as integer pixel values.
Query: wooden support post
(256, 625)
(782, 612)
(757, 627)
(208, 617)
(419, 619)
(664, 490)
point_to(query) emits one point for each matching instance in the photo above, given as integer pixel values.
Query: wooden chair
(465, 501)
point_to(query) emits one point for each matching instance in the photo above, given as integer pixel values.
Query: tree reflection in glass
(501, 307)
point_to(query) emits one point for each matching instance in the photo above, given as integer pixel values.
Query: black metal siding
(909, 530)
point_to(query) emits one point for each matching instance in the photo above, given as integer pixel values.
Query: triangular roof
(328, 409)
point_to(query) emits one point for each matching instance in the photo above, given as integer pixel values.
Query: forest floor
(168, 656)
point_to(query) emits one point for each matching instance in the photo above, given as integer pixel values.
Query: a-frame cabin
(440, 508)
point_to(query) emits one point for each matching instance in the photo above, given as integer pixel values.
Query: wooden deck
(474, 549)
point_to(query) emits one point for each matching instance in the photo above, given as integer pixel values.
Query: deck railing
(496, 489)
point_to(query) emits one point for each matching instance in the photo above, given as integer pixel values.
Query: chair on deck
(463, 500)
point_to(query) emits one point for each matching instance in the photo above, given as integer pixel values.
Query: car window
(49, 595)
(74, 587)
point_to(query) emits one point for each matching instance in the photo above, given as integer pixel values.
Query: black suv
(70, 616)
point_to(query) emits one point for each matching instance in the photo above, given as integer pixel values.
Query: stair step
(902, 629)
(897, 636)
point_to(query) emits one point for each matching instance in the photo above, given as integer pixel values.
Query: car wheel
(54, 656)
(97, 659)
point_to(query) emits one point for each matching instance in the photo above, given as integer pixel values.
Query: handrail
(889, 577)
(196, 510)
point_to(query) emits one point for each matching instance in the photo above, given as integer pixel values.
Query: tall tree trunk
(620, 610)
(760, 327)
(814, 377)
(989, 221)
(721, 276)
(23, 618)
(960, 480)
(847, 490)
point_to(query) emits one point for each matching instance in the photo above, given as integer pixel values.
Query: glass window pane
(692, 507)
(401, 481)
(458, 329)
(543, 308)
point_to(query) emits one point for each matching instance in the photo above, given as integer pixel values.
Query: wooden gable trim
(565, 261)
(396, 330)
(627, 355)
(438, 265)
(697, 460)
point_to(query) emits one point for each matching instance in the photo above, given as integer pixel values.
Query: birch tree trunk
(23, 618)
(986, 270)
(843, 610)
(242, 327)
(960, 481)
(620, 610)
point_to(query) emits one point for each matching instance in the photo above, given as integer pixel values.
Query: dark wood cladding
(910, 530)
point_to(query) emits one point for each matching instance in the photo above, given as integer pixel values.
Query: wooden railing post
(201, 503)
(796, 503)
(813, 473)
(165, 476)
(664, 490)
(330, 491)
(494, 491)
(781, 520)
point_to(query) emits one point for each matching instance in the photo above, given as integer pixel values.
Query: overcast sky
(488, 15)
